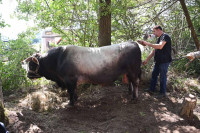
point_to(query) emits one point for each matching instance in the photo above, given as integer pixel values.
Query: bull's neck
(46, 70)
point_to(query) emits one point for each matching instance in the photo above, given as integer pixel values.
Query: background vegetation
(78, 23)
(12, 53)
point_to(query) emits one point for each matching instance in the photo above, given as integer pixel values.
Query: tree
(104, 36)
(190, 25)
(79, 21)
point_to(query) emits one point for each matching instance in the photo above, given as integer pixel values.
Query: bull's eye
(32, 66)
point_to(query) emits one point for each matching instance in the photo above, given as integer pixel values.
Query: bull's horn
(35, 60)
(28, 59)
(38, 54)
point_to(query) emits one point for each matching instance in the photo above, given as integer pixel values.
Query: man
(2, 128)
(162, 59)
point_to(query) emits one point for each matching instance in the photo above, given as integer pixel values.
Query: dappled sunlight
(165, 115)
(181, 129)
(193, 83)
(33, 129)
(64, 104)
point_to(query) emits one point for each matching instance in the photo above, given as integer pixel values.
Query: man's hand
(141, 42)
(144, 62)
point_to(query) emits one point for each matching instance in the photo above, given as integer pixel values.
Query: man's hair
(158, 27)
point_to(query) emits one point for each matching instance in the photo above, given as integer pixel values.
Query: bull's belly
(104, 80)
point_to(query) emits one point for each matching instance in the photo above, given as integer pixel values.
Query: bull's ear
(28, 59)
(35, 60)
(38, 54)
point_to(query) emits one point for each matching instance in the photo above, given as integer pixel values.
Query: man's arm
(149, 57)
(155, 46)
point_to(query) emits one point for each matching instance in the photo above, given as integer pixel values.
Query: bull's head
(33, 66)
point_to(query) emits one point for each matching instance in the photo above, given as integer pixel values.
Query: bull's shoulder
(56, 49)
(128, 44)
(61, 49)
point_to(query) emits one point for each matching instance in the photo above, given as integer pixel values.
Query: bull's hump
(95, 50)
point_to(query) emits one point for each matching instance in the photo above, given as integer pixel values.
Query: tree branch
(159, 13)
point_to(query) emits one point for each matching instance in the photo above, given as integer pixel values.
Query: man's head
(157, 30)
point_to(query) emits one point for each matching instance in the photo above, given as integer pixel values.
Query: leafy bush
(12, 53)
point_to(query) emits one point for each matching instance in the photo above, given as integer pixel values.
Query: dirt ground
(107, 109)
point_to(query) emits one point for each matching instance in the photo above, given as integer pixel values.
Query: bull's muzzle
(31, 75)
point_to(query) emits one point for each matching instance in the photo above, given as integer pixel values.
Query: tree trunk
(3, 117)
(190, 25)
(188, 106)
(1, 93)
(104, 23)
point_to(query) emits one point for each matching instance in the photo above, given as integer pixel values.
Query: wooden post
(188, 106)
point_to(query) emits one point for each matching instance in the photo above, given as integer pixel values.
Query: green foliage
(2, 23)
(142, 114)
(192, 68)
(12, 53)
(124, 21)
(52, 44)
(178, 82)
(76, 21)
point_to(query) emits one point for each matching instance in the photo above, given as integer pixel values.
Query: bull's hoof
(134, 100)
(75, 98)
(71, 103)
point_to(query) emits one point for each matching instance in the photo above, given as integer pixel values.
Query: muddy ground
(107, 109)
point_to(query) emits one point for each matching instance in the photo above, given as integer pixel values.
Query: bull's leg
(130, 88)
(75, 96)
(71, 86)
(133, 84)
(130, 85)
(71, 95)
(135, 89)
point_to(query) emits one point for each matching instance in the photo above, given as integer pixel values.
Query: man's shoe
(149, 91)
(161, 96)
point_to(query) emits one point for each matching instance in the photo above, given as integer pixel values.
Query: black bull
(70, 66)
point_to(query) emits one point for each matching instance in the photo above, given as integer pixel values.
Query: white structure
(48, 37)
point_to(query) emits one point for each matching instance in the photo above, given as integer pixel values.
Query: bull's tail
(139, 74)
